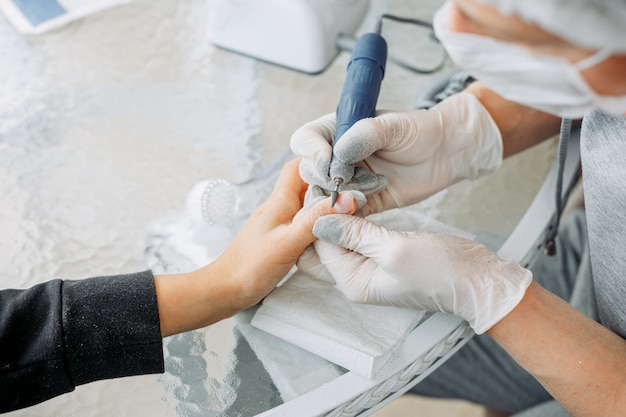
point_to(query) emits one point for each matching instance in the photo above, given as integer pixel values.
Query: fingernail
(345, 203)
(359, 197)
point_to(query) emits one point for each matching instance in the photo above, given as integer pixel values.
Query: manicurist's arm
(581, 363)
(521, 127)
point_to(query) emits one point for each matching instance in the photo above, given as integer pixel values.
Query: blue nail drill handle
(359, 94)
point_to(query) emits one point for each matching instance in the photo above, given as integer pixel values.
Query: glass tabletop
(108, 122)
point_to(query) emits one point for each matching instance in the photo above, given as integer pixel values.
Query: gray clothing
(548, 409)
(482, 372)
(603, 153)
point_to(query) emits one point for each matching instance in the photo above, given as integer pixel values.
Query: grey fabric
(443, 87)
(482, 372)
(548, 409)
(603, 153)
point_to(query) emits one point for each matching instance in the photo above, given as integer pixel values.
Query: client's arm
(60, 334)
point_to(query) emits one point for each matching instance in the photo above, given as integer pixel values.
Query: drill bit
(335, 193)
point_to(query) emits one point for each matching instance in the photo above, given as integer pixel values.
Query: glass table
(107, 123)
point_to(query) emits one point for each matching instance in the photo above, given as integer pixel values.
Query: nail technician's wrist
(521, 127)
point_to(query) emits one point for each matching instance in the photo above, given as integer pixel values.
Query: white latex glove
(309, 260)
(419, 152)
(420, 270)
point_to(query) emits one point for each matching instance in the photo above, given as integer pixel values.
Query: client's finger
(301, 230)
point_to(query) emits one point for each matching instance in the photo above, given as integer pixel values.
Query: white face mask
(547, 83)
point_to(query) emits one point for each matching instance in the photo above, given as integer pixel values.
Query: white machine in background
(297, 34)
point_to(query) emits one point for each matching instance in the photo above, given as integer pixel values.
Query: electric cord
(418, 22)
(564, 135)
(346, 43)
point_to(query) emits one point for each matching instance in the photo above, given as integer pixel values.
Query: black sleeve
(60, 334)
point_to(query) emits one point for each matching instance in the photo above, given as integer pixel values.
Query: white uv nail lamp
(297, 34)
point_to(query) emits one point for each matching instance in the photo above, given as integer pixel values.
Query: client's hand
(261, 254)
(420, 270)
(274, 236)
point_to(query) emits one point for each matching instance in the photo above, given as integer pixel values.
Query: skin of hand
(578, 361)
(521, 127)
(260, 255)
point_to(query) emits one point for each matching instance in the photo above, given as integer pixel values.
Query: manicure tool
(359, 94)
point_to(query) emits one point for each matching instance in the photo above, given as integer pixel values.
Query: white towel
(315, 316)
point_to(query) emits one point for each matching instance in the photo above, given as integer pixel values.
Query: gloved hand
(420, 270)
(309, 260)
(419, 152)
